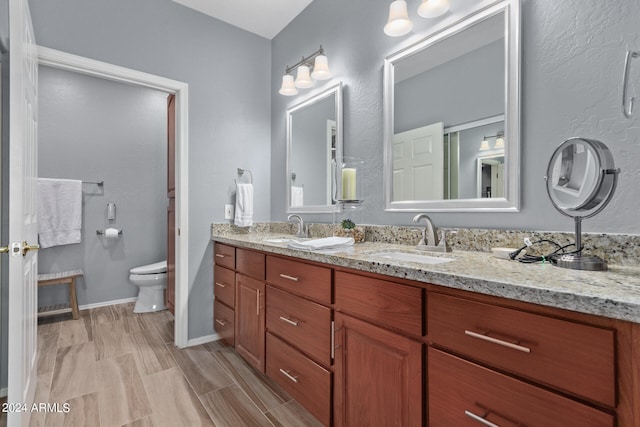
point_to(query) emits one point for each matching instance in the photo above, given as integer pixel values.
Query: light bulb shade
(288, 88)
(499, 142)
(484, 145)
(399, 23)
(321, 68)
(303, 79)
(433, 8)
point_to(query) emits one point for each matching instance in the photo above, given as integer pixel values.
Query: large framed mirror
(314, 142)
(451, 100)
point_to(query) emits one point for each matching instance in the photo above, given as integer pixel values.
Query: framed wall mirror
(314, 142)
(451, 100)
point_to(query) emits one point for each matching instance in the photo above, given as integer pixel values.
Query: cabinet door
(378, 376)
(250, 320)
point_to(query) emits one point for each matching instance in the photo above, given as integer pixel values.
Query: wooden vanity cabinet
(224, 292)
(299, 336)
(250, 307)
(488, 356)
(463, 393)
(378, 368)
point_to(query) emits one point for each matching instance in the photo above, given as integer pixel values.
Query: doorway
(61, 60)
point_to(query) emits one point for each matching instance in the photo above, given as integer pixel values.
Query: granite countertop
(614, 293)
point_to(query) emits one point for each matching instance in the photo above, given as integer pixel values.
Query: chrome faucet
(303, 229)
(429, 240)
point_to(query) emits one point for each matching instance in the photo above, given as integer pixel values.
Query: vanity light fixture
(433, 8)
(399, 23)
(484, 145)
(316, 61)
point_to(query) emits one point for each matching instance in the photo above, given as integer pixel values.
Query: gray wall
(572, 61)
(229, 102)
(431, 98)
(95, 129)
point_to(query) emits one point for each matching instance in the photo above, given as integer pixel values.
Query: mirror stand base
(582, 262)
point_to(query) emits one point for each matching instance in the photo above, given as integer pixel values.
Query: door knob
(27, 247)
(4, 249)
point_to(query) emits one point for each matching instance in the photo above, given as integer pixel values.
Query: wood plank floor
(117, 368)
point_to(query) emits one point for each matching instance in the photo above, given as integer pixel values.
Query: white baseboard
(106, 303)
(202, 340)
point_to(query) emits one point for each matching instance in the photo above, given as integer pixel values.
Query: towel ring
(242, 171)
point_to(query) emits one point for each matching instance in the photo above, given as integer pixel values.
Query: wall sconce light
(316, 61)
(484, 145)
(399, 23)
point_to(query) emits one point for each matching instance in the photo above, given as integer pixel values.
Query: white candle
(348, 184)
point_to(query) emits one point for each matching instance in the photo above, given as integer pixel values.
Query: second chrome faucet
(429, 240)
(303, 229)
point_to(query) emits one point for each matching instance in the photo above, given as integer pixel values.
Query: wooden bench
(61, 278)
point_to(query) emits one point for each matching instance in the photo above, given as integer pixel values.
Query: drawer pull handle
(480, 419)
(289, 321)
(485, 337)
(258, 302)
(220, 322)
(220, 255)
(288, 375)
(286, 276)
(222, 285)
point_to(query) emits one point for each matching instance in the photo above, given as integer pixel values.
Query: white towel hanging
(244, 205)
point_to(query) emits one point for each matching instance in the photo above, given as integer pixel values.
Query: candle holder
(349, 181)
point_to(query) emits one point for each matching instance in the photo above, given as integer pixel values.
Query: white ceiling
(265, 18)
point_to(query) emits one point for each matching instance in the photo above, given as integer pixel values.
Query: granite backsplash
(616, 249)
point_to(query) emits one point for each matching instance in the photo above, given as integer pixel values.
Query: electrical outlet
(228, 211)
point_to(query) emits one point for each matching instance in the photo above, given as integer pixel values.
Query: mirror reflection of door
(490, 180)
(331, 159)
(418, 160)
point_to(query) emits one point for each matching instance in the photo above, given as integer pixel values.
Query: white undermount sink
(413, 257)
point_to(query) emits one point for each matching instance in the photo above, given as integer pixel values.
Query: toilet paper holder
(101, 232)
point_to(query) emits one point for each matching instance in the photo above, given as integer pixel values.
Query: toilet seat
(157, 267)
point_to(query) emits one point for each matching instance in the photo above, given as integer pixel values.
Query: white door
(23, 221)
(418, 162)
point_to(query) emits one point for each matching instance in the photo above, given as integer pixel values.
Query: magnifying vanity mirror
(314, 142)
(451, 117)
(581, 179)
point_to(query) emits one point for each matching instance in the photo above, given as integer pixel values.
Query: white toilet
(152, 280)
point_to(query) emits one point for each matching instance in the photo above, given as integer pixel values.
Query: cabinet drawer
(387, 303)
(306, 381)
(302, 323)
(223, 323)
(302, 279)
(224, 255)
(224, 285)
(458, 390)
(250, 263)
(574, 357)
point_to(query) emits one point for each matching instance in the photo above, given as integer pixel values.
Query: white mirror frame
(510, 203)
(335, 90)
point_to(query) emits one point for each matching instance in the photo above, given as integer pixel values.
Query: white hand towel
(59, 211)
(244, 205)
(320, 244)
(297, 196)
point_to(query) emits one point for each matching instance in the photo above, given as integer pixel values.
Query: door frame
(69, 62)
